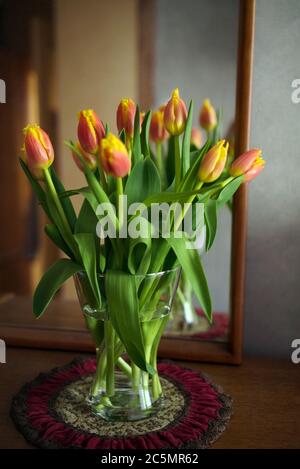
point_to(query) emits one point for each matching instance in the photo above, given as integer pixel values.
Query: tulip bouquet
(125, 266)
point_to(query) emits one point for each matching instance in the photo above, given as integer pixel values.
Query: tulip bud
(175, 114)
(250, 164)
(207, 117)
(38, 149)
(36, 172)
(88, 158)
(90, 131)
(158, 132)
(196, 137)
(125, 116)
(213, 163)
(114, 157)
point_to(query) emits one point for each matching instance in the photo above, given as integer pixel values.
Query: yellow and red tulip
(196, 137)
(88, 158)
(125, 116)
(38, 150)
(114, 157)
(90, 131)
(175, 114)
(158, 132)
(213, 163)
(207, 116)
(249, 164)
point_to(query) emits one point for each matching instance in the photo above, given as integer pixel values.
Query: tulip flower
(125, 116)
(213, 163)
(249, 164)
(88, 158)
(158, 132)
(175, 114)
(36, 172)
(38, 149)
(114, 157)
(207, 117)
(90, 131)
(196, 137)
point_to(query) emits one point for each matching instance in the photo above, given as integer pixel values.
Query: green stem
(101, 173)
(125, 367)
(159, 161)
(110, 356)
(136, 375)
(99, 379)
(119, 184)
(177, 162)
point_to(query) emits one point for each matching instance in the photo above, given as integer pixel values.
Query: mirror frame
(63, 328)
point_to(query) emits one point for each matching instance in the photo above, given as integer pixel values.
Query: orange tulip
(196, 137)
(207, 117)
(125, 116)
(88, 158)
(175, 114)
(213, 163)
(158, 132)
(249, 164)
(38, 149)
(114, 157)
(90, 131)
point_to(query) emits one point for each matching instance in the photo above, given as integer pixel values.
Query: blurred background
(60, 56)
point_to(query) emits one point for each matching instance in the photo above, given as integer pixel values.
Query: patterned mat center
(71, 407)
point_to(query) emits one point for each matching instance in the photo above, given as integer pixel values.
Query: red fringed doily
(51, 412)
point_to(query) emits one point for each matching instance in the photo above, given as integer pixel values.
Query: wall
(273, 254)
(97, 65)
(196, 49)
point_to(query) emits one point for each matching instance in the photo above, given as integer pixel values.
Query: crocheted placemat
(51, 412)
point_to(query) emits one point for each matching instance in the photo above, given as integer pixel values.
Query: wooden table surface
(266, 397)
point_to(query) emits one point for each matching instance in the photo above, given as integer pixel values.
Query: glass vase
(122, 390)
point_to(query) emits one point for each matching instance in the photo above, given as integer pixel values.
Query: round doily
(51, 412)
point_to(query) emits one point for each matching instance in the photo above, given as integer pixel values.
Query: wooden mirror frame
(63, 328)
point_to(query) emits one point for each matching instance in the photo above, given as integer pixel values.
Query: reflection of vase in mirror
(203, 64)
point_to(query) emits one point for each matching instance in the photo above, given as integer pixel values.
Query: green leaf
(72, 192)
(190, 262)
(55, 236)
(54, 216)
(37, 189)
(87, 219)
(136, 147)
(87, 248)
(65, 201)
(227, 193)
(143, 181)
(145, 148)
(122, 136)
(210, 215)
(51, 282)
(186, 143)
(123, 308)
(191, 175)
(139, 254)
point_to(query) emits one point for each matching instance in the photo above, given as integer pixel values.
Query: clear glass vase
(121, 390)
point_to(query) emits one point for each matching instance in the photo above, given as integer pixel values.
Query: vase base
(125, 404)
(125, 414)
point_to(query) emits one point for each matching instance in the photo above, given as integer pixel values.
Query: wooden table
(266, 397)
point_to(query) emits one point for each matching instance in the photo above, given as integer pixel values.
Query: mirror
(69, 56)
(195, 48)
